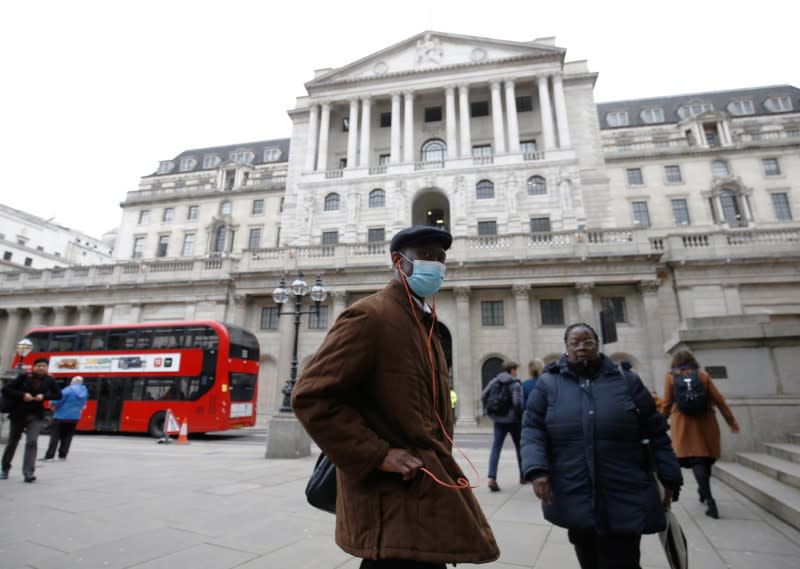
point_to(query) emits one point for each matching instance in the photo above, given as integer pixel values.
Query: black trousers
(60, 435)
(611, 551)
(31, 424)
(398, 564)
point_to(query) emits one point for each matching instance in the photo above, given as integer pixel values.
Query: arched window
(225, 208)
(377, 198)
(536, 186)
(490, 369)
(218, 245)
(720, 168)
(434, 150)
(332, 202)
(484, 190)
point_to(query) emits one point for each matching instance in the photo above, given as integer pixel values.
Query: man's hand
(667, 501)
(543, 490)
(402, 462)
(27, 398)
(39, 397)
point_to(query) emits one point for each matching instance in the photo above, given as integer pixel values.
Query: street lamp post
(286, 437)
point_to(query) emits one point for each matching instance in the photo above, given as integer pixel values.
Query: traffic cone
(183, 436)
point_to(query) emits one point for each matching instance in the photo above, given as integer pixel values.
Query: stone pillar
(324, 129)
(37, 317)
(727, 130)
(395, 140)
(497, 119)
(466, 381)
(450, 119)
(721, 134)
(586, 303)
(366, 116)
(135, 313)
(513, 122)
(11, 335)
(191, 308)
(339, 302)
(463, 116)
(561, 112)
(59, 316)
(546, 112)
(313, 131)
(651, 371)
(408, 127)
(521, 293)
(84, 314)
(108, 314)
(352, 135)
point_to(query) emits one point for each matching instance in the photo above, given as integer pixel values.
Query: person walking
(29, 391)
(689, 400)
(68, 413)
(582, 436)
(535, 367)
(376, 399)
(502, 402)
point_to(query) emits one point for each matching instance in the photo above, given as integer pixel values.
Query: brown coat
(369, 388)
(696, 436)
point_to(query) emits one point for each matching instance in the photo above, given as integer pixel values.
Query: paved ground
(127, 502)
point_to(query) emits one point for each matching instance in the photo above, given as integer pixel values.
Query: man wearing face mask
(372, 398)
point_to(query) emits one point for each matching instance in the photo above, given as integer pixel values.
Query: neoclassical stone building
(558, 206)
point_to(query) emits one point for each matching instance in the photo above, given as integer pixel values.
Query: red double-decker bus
(205, 371)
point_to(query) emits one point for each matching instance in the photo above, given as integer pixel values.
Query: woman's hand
(543, 490)
(402, 462)
(735, 429)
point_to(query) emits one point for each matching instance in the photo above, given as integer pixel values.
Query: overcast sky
(94, 94)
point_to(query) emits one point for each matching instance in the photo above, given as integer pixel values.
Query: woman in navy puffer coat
(581, 446)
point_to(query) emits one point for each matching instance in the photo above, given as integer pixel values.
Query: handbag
(321, 487)
(7, 404)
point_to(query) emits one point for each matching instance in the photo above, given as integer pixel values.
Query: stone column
(513, 122)
(450, 119)
(395, 140)
(108, 314)
(37, 317)
(191, 308)
(366, 115)
(521, 292)
(339, 302)
(352, 134)
(727, 130)
(463, 116)
(84, 314)
(324, 128)
(657, 361)
(546, 112)
(240, 310)
(721, 134)
(59, 316)
(11, 335)
(586, 303)
(136, 312)
(466, 381)
(561, 112)
(497, 119)
(408, 127)
(313, 131)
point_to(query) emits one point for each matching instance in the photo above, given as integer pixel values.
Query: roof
(224, 154)
(719, 100)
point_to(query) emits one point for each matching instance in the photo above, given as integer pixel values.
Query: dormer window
(165, 166)
(694, 109)
(654, 115)
(242, 156)
(778, 104)
(211, 161)
(272, 154)
(187, 164)
(743, 107)
(617, 118)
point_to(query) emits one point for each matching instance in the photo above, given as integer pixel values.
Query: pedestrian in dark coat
(581, 446)
(376, 399)
(508, 423)
(29, 391)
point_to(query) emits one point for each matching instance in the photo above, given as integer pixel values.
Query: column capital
(462, 293)
(325, 104)
(521, 290)
(339, 295)
(509, 81)
(542, 77)
(495, 84)
(366, 100)
(395, 94)
(240, 299)
(649, 287)
(450, 90)
(585, 288)
(408, 94)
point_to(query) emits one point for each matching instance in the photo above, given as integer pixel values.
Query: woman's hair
(571, 327)
(684, 358)
(535, 367)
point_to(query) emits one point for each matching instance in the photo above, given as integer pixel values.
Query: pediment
(429, 51)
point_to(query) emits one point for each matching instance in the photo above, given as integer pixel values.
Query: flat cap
(420, 235)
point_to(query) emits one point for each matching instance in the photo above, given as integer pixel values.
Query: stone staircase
(771, 479)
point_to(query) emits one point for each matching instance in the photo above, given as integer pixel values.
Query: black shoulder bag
(321, 487)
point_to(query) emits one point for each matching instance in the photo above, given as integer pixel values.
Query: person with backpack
(502, 402)
(689, 400)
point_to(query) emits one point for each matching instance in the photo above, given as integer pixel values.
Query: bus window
(91, 386)
(93, 340)
(144, 340)
(244, 344)
(165, 388)
(122, 340)
(137, 388)
(202, 338)
(166, 339)
(41, 341)
(63, 342)
(243, 386)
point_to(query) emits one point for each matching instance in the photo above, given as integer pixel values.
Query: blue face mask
(427, 277)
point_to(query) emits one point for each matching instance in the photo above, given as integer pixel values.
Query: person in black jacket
(29, 391)
(582, 435)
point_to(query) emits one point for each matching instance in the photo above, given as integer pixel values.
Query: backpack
(690, 394)
(499, 399)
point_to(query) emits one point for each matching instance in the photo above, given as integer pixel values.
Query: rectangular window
(258, 207)
(744, 107)
(492, 313)
(188, 245)
(771, 167)
(342, 163)
(386, 120)
(138, 248)
(433, 114)
(653, 115)
(479, 109)
(634, 176)
(618, 304)
(540, 225)
(781, 204)
(330, 237)
(318, 321)
(376, 234)
(254, 240)
(481, 150)
(673, 174)
(717, 372)
(163, 243)
(269, 318)
(524, 104)
(552, 311)
(193, 212)
(168, 215)
(680, 212)
(383, 159)
(28, 261)
(144, 217)
(487, 228)
(641, 215)
(617, 118)
(527, 146)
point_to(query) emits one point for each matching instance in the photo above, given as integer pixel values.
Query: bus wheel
(156, 425)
